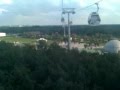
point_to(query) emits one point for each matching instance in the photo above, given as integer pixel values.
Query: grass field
(12, 39)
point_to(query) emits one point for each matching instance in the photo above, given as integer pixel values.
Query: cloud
(4, 2)
(45, 12)
(2, 10)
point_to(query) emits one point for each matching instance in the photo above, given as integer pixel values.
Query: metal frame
(68, 11)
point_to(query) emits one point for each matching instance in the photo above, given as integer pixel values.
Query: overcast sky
(48, 12)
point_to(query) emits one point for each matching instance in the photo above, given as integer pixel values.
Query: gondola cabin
(94, 19)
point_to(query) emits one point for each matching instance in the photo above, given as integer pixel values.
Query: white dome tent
(112, 46)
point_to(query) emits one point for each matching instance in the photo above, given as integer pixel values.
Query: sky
(48, 12)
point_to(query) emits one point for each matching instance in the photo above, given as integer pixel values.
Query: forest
(75, 29)
(54, 68)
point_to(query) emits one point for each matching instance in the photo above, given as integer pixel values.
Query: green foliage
(57, 30)
(42, 44)
(55, 68)
(12, 39)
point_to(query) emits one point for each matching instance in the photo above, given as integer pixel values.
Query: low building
(2, 34)
(18, 44)
(42, 39)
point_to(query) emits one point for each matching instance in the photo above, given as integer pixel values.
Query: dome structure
(112, 46)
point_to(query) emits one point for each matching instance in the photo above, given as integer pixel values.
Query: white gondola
(94, 19)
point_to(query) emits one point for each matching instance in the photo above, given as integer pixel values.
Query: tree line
(75, 29)
(55, 68)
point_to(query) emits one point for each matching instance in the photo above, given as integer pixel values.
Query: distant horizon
(54, 25)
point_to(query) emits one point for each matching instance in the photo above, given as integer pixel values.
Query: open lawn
(17, 39)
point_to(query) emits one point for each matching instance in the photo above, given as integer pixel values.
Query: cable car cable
(90, 5)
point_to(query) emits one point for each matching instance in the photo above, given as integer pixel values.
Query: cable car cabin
(94, 19)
